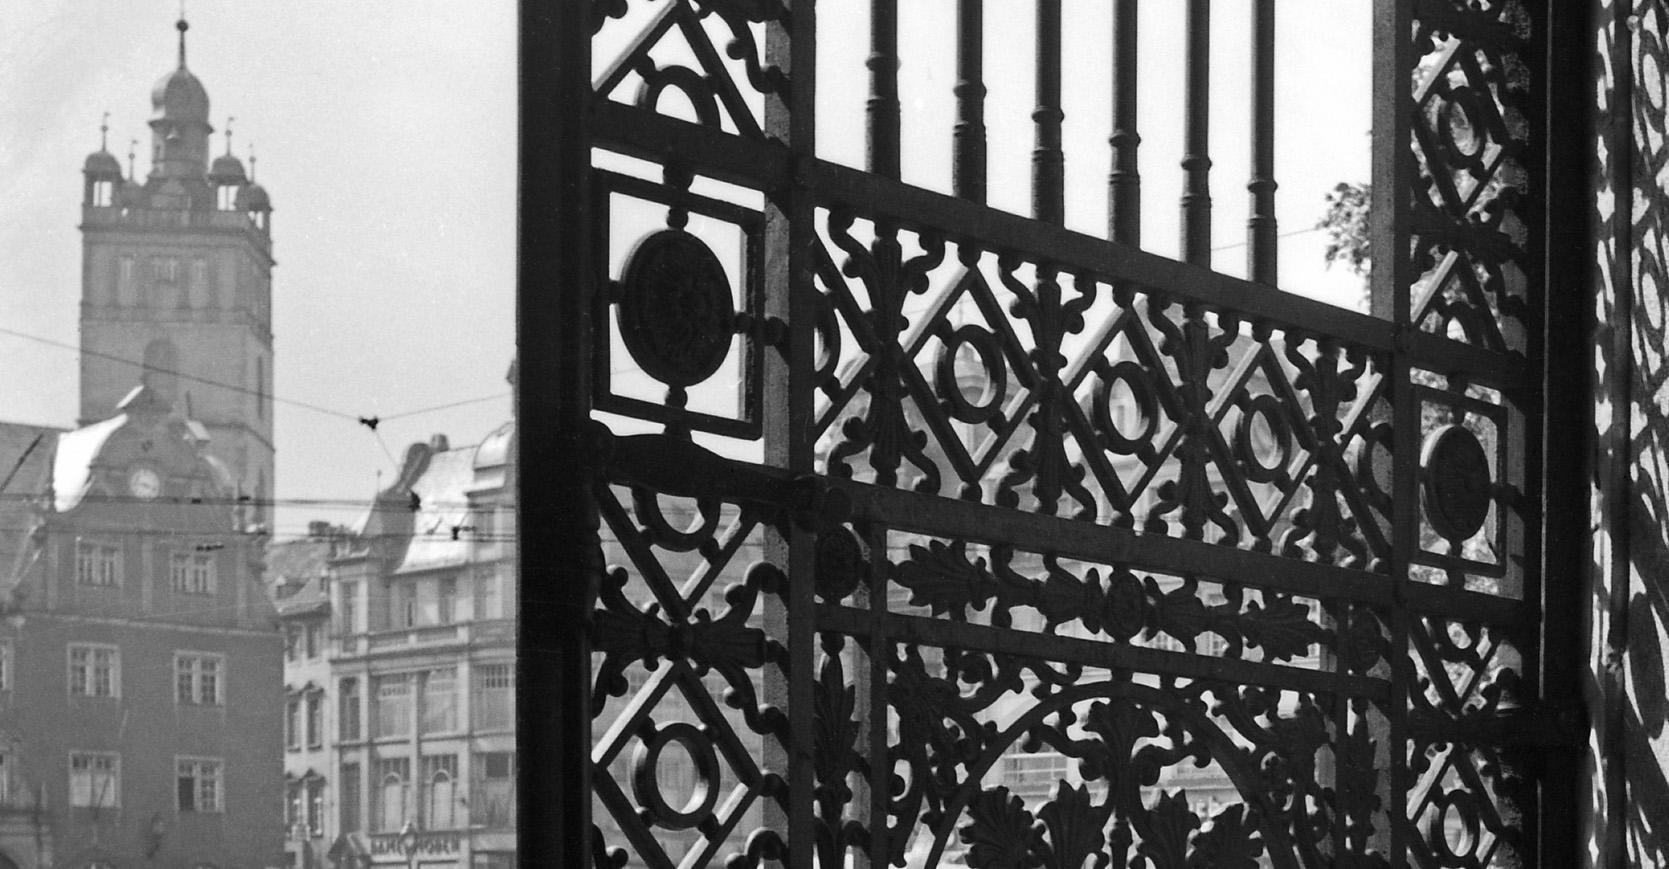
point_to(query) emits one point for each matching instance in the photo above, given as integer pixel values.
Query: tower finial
(229, 120)
(182, 27)
(252, 162)
(104, 132)
(132, 145)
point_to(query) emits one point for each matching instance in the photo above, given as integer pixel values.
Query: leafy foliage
(1346, 223)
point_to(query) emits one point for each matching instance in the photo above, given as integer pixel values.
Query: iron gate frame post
(559, 551)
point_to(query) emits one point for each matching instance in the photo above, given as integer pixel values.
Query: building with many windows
(400, 669)
(137, 654)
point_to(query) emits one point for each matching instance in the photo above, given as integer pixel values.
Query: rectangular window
(292, 724)
(97, 563)
(404, 601)
(95, 779)
(197, 678)
(199, 786)
(448, 595)
(349, 800)
(493, 796)
(292, 642)
(489, 596)
(315, 719)
(347, 713)
(192, 573)
(494, 701)
(347, 616)
(7, 653)
(95, 671)
(393, 774)
(292, 806)
(440, 701)
(391, 709)
(313, 639)
(315, 807)
(440, 778)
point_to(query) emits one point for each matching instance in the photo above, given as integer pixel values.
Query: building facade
(138, 654)
(400, 676)
(139, 724)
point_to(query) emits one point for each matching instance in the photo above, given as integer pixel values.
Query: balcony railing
(426, 636)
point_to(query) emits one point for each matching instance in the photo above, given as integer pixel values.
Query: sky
(385, 132)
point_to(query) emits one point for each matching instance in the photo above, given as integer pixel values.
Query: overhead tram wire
(369, 422)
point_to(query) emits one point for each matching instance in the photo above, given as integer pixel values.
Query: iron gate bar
(1262, 253)
(559, 569)
(683, 469)
(1048, 163)
(1567, 434)
(1196, 131)
(939, 633)
(1124, 179)
(967, 165)
(884, 111)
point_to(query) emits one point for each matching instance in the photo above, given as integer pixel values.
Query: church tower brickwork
(177, 284)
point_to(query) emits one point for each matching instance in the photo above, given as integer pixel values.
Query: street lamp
(408, 843)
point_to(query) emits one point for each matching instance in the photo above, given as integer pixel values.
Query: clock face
(144, 483)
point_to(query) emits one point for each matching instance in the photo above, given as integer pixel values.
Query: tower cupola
(227, 175)
(180, 121)
(103, 173)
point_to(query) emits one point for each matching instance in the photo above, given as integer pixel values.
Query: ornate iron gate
(936, 534)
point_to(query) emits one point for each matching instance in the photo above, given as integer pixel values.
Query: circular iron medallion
(675, 308)
(1458, 483)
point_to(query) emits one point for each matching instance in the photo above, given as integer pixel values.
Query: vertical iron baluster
(1260, 227)
(1196, 162)
(788, 262)
(1392, 277)
(561, 560)
(1124, 182)
(1048, 165)
(968, 139)
(883, 88)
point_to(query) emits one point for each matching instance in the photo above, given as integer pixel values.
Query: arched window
(393, 773)
(162, 366)
(442, 775)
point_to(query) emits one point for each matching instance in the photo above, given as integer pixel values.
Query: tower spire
(252, 162)
(132, 145)
(229, 120)
(104, 132)
(182, 27)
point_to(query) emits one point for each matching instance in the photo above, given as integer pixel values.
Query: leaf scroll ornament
(1169, 824)
(1076, 828)
(1001, 833)
(1229, 842)
(1281, 626)
(942, 577)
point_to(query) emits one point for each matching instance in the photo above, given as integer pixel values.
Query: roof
(443, 493)
(72, 467)
(179, 96)
(295, 572)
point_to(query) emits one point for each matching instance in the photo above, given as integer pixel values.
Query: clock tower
(176, 286)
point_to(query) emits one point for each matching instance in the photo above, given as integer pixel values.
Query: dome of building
(227, 169)
(102, 166)
(253, 197)
(180, 97)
